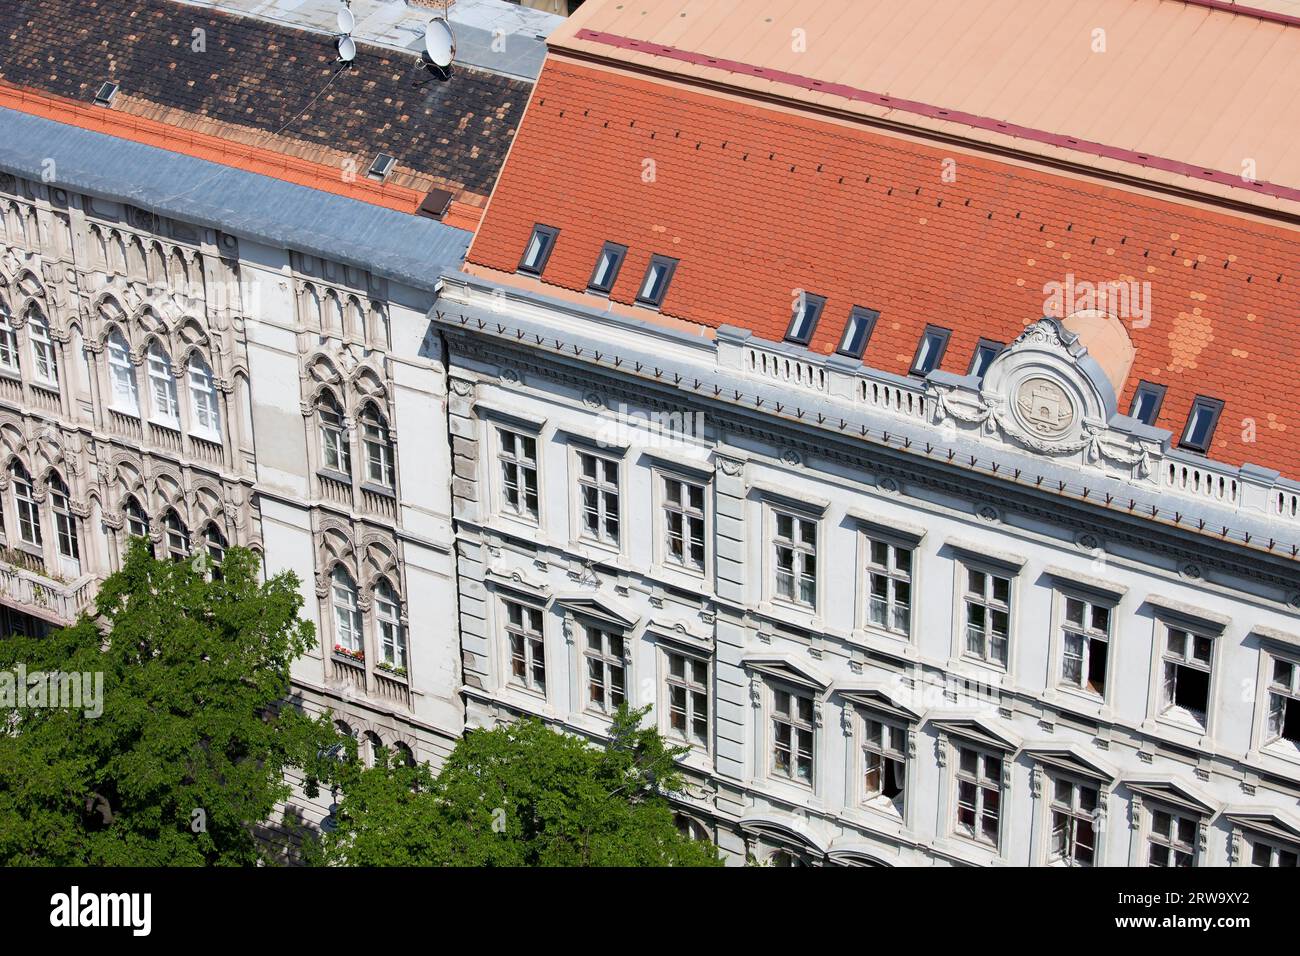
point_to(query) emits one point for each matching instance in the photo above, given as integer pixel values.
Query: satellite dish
(347, 49)
(439, 42)
(346, 20)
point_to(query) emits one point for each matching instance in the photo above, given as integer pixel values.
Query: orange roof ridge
(253, 159)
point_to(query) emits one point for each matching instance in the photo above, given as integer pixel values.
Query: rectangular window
(166, 406)
(792, 736)
(1186, 692)
(1284, 702)
(795, 547)
(684, 523)
(1146, 402)
(598, 490)
(1263, 853)
(1074, 813)
(1172, 839)
(65, 525)
(1201, 421)
(517, 459)
(606, 669)
(807, 310)
(985, 352)
(655, 284)
(46, 359)
(688, 698)
(379, 452)
(527, 646)
(336, 453)
(988, 616)
(1085, 635)
(8, 343)
(884, 761)
(889, 586)
(29, 515)
(608, 264)
(538, 250)
(929, 352)
(979, 794)
(862, 322)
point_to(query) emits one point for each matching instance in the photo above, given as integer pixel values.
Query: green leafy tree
(519, 795)
(188, 756)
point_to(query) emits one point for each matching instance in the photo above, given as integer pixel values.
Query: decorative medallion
(791, 457)
(1044, 408)
(592, 400)
(988, 513)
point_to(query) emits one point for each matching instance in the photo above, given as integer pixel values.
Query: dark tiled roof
(259, 75)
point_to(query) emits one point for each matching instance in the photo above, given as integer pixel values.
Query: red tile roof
(758, 202)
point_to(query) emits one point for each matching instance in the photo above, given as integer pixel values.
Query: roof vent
(106, 94)
(435, 203)
(381, 167)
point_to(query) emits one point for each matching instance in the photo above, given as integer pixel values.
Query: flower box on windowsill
(356, 657)
(389, 670)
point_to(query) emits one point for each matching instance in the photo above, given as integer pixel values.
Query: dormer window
(655, 284)
(985, 352)
(538, 250)
(862, 322)
(934, 342)
(1201, 421)
(1146, 402)
(608, 264)
(807, 310)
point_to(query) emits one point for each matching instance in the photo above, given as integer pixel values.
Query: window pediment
(599, 609)
(788, 668)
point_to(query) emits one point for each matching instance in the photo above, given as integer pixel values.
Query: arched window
(178, 537)
(8, 340)
(336, 453)
(205, 418)
(126, 392)
(379, 447)
(65, 522)
(403, 755)
(347, 616)
(215, 542)
(29, 512)
(372, 747)
(137, 522)
(162, 387)
(43, 354)
(392, 638)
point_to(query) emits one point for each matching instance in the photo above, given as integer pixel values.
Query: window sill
(872, 637)
(336, 476)
(802, 616)
(213, 437)
(523, 691)
(127, 412)
(347, 660)
(390, 675)
(379, 490)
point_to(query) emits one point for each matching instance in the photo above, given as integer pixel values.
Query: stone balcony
(26, 586)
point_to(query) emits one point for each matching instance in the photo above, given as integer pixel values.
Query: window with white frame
(688, 698)
(979, 794)
(606, 669)
(1172, 838)
(65, 523)
(526, 637)
(884, 761)
(1186, 661)
(8, 341)
(162, 385)
(29, 512)
(215, 543)
(1283, 702)
(176, 537)
(794, 544)
(43, 353)
(683, 514)
(1085, 645)
(347, 615)
(1073, 812)
(378, 445)
(392, 635)
(137, 522)
(987, 604)
(206, 414)
(1271, 854)
(517, 461)
(126, 391)
(336, 451)
(889, 586)
(793, 735)
(599, 500)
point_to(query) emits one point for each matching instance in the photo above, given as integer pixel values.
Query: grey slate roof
(409, 249)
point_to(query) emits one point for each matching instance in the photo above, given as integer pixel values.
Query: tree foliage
(518, 795)
(188, 756)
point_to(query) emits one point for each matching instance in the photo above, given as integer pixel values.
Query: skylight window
(985, 352)
(1146, 402)
(934, 342)
(381, 167)
(1201, 421)
(608, 263)
(655, 284)
(107, 93)
(538, 250)
(807, 310)
(862, 322)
